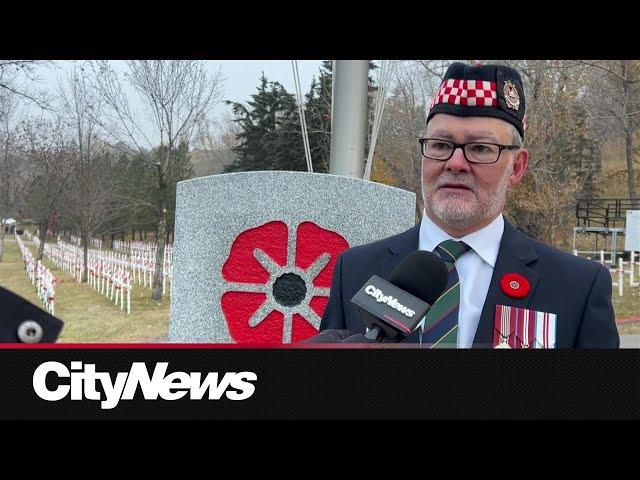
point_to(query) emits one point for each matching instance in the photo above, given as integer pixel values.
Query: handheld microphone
(392, 310)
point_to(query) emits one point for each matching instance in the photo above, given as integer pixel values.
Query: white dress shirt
(474, 268)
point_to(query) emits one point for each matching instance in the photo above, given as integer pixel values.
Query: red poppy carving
(515, 285)
(278, 286)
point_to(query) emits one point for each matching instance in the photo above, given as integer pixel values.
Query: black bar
(350, 384)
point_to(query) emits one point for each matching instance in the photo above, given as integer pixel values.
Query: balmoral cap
(481, 91)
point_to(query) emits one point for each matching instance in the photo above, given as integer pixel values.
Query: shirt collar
(485, 242)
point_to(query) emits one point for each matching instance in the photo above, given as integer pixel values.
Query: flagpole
(349, 117)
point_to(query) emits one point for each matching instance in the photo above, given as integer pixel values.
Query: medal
(545, 330)
(524, 343)
(503, 327)
(516, 327)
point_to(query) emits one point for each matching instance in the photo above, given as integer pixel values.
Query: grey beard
(486, 209)
(456, 216)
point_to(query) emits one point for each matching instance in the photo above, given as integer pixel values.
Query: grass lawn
(89, 316)
(627, 306)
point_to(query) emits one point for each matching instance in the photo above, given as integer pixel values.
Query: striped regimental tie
(441, 322)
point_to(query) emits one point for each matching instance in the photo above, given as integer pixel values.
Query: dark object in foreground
(392, 310)
(335, 335)
(23, 322)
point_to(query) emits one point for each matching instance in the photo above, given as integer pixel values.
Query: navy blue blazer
(577, 290)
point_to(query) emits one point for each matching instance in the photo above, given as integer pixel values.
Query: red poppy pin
(515, 285)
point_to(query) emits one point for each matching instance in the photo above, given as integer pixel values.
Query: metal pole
(349, 120)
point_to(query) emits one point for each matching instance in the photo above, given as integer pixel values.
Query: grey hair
(516, 138)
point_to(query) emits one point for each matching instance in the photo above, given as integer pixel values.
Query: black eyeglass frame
(464, 152)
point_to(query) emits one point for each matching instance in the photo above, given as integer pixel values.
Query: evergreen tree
(257, 123)
(287, 146)
(270, 135)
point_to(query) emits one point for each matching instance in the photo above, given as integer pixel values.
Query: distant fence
(603, 212)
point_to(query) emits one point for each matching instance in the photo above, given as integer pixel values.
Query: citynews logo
(84, 378)
(389, 300)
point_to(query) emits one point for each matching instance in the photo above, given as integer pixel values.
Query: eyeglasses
(474, 152)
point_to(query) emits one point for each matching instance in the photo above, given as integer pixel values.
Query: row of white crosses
(122, 246)
(40, 276)
(27, 258)
(109, 274)
(67, 257)
(93, 242)
(143, 262)
(112, 273)
(619, 270)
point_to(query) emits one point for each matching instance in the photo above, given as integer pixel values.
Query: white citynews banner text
(83, 380)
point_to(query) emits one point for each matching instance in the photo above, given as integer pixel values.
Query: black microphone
(392, 310)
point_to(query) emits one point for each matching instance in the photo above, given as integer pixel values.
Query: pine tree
(258, 136)
(288, 146)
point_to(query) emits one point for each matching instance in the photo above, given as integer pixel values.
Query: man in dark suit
(505, 289)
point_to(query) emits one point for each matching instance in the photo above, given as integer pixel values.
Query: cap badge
(511, 95)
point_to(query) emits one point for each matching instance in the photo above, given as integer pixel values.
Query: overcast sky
(241, 77)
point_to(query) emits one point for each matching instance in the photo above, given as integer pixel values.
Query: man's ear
(520, 163)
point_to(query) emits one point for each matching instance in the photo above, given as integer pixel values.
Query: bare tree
(615, 104)
(565, 153)
(20, 78)
(50, 165)
(92, 201)
(176, 96)
(14, 178)
(433, 70)
(214, 147)
(404, 121)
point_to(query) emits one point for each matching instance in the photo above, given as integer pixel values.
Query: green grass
(627, 306)
(89, 316)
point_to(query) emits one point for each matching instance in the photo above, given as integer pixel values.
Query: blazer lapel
(515, 255)
(399, 247)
